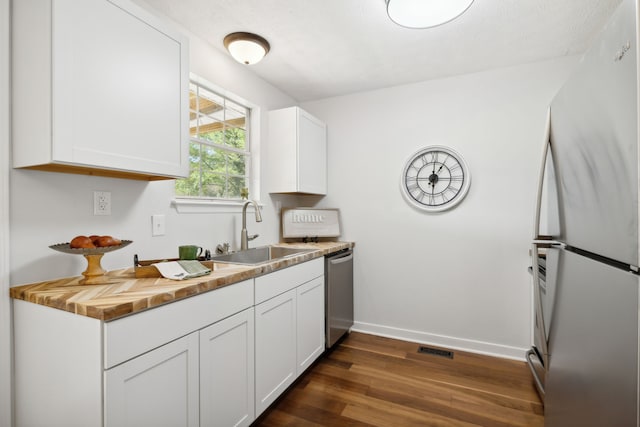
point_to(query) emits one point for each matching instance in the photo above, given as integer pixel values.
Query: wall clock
(435, 178)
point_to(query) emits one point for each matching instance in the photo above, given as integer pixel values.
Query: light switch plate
(158, 227)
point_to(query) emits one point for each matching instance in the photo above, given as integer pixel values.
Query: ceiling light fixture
(246, 48)
(425, 13)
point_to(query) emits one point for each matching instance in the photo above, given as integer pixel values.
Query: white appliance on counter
(312, 225)
(586, 291)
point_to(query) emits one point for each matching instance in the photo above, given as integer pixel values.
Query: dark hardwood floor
(374, 381)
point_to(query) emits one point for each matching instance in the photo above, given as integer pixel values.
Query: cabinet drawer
(133, 335)
(273, 284)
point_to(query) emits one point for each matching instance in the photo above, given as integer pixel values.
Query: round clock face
(435, 178)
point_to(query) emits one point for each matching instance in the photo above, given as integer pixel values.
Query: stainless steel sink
(259, 255)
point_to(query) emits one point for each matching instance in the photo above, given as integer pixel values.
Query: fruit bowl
(64, 247)
(94, 274)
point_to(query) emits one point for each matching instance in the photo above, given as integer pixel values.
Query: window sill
(191, 206)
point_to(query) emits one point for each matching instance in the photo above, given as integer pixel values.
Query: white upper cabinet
(297, 152)
(99, 87)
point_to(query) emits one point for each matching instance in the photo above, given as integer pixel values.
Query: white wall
(49, 208)
(5, 304)
(457, 278)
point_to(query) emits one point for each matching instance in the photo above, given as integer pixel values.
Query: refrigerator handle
(532, 354)
(545, 151)
(537, 298)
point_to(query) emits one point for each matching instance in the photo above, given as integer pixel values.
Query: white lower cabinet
(310, 323)
(159, 388)
(227, 372)
(204, 379)
(289, 327)
(275, 348)
(214, 360)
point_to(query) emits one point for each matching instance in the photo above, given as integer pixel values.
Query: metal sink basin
(259, 255)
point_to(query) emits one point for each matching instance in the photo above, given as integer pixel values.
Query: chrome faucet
(244, 237)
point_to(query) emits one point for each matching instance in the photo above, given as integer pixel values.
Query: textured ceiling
(325, 48)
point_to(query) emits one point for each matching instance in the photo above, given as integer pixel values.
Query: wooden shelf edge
(85, 170)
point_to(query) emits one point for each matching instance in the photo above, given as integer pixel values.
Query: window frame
(202, 204)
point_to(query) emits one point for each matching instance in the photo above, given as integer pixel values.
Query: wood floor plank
(377, 412)
(375, 381)
(383, 417)
(448, 398)
(486, 415)
(498, 414)
(280, 418)
(454, 372)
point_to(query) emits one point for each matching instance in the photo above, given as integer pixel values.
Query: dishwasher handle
(341, 259)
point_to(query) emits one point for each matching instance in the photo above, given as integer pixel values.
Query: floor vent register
(435, 352)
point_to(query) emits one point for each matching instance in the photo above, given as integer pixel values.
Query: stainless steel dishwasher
(339, 295)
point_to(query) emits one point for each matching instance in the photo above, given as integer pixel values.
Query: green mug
(189, 252)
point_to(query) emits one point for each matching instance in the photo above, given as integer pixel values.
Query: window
(219, 147)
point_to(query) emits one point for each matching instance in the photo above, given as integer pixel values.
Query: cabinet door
(310, 323)
(120, 88)
(275, 348)
(297, 152)
(312, 154)
(227, 372)
(159, 388)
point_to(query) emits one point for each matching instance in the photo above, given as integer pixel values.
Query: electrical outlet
(102, 203)
(157, 225)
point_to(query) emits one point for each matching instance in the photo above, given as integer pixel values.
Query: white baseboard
(472, 346)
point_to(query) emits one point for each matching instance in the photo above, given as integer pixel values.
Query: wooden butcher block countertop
(128, 294)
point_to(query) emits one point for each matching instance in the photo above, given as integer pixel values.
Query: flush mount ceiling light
(425, 13)
(246, 48)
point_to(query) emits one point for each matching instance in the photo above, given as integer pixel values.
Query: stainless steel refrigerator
(586, 280)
